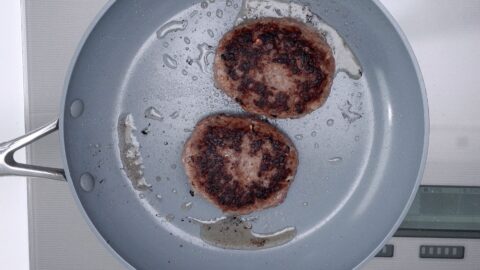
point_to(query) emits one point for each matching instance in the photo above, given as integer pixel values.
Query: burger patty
(240, 164)
(275, 67)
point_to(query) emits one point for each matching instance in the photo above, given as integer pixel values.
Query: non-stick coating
(354, 182)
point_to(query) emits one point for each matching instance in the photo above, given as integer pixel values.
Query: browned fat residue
(237, 233)
(218, 179)
(251, 49)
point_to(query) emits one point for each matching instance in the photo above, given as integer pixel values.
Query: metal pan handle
(8, 165)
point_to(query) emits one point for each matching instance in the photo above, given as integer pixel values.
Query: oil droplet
(195, 12)
(194, 78)
(187, 205)
(335, 160)
(141, 196)
(313, 134)
(204, 4)
(202, 59)
(171, 27)
(330, 122)
(316, 145)
(228, 3)
(87, 183)
(186, 40)
(236, 233)
(169, 61)
(235, 6)
(170, 217)
(158, 178)
(210, 32)
(305, 203)
(357, 138)
(153, 113)
(173, 166)
(219, 13)
(165, 44)
(209, 14)
(184, 72)
(159, 197)
(211, 1)
(348, 114)
(174, 191)
(76, 108)
(174, 115)
(299, 136)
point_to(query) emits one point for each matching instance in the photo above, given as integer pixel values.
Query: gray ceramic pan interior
(355, 179)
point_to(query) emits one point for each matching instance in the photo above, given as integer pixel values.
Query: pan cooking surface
(182, 100)
(362, 147)
(329, 140)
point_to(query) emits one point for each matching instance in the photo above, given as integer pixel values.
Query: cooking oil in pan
(210, 33)
(187, 205)
(348, 113)
(153, 113)
(132, 160)
(236, 233)
(203, 60)
(171, 27)
(335, 160)
(174, 115)
(169, 61)
(298, 137)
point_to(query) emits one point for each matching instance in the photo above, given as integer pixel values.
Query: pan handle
(8, 165)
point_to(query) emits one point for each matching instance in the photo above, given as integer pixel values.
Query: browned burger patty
(240, 164)
(275, 67)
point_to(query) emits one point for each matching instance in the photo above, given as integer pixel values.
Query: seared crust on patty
(240, 164)
(275, 67)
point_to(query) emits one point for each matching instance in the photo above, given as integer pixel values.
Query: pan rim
(61, 129)
(426, 131)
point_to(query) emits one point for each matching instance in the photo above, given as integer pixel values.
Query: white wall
(13, 190)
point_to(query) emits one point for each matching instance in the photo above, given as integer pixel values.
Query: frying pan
(361, 155)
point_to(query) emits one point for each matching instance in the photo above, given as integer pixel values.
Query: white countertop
(13, 190)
